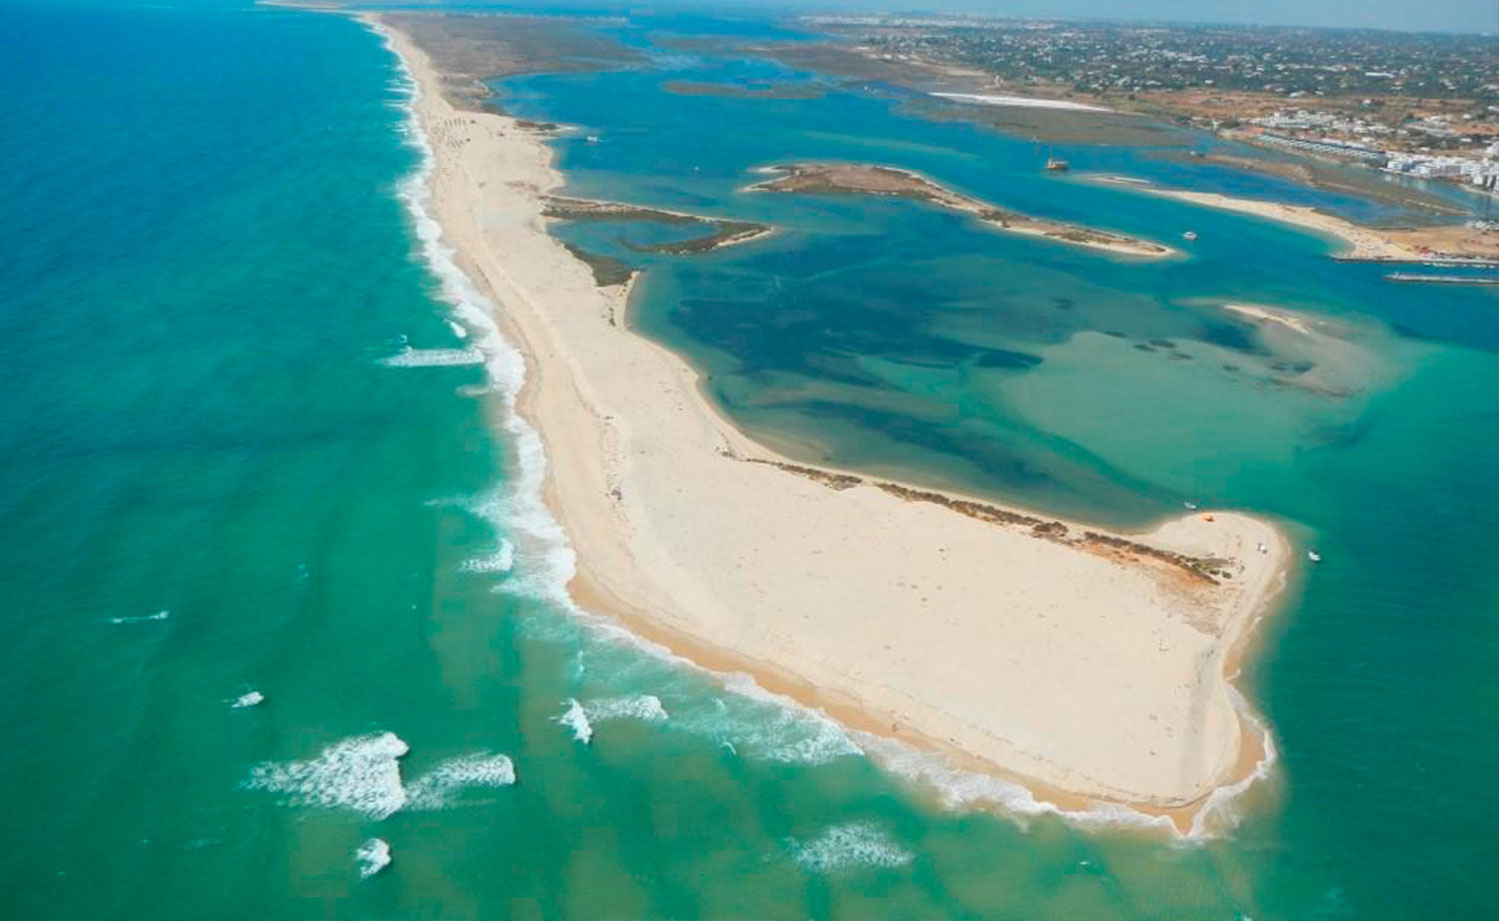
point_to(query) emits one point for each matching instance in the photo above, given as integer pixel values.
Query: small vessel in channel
(1056, 165)
(1314, 556)
(1190, 235)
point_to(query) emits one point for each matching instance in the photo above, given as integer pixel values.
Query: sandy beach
(1363, 243)
(1452, 243)
(1084, 664)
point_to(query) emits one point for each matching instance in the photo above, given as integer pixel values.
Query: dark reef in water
(1001, 358)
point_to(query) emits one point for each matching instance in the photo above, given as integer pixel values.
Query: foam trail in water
(372, 857)
(638, 707)
(433, 358)
(576, 719)
(436, 788)
(142, 618)
(843, 847)
(362, 773)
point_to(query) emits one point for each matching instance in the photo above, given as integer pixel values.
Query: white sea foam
(576, 719)
(372, 857)
(788, 732)
(636, 707)
(250, 699)
(538, 539)
(433, 358)
(1220, 812)
(502, 560)
(435, 789)
(962, 790)
(362, 774)
(843, 847)
(141, 618)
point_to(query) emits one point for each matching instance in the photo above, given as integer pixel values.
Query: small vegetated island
(716, 233)
(865, 179)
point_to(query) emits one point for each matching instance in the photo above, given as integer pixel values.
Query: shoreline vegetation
(1444, 244)
(890, 182)
(1088, 667)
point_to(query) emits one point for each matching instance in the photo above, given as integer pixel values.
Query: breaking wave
(249, 699)
(517, 505)
(364, 774)
(580, 717)
(637, 707)
(576, 719)
(502, 560)
(784, 731)
(433, 358)
(843, 847)
(435, 789)
(141, 618)
(372, 857)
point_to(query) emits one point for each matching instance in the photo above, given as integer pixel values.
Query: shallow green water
(249, 444)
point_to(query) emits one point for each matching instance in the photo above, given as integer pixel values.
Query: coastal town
(1424, 105)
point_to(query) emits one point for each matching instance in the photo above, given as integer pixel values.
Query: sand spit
(1082, 662)
(1363, 243)
(1446, 244)
(891, 182)
(1285, 318)
(1022, 102)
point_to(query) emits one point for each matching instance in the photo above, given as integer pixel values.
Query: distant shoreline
(936, 615)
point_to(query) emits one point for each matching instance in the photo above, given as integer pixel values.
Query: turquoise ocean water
(256, 438)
